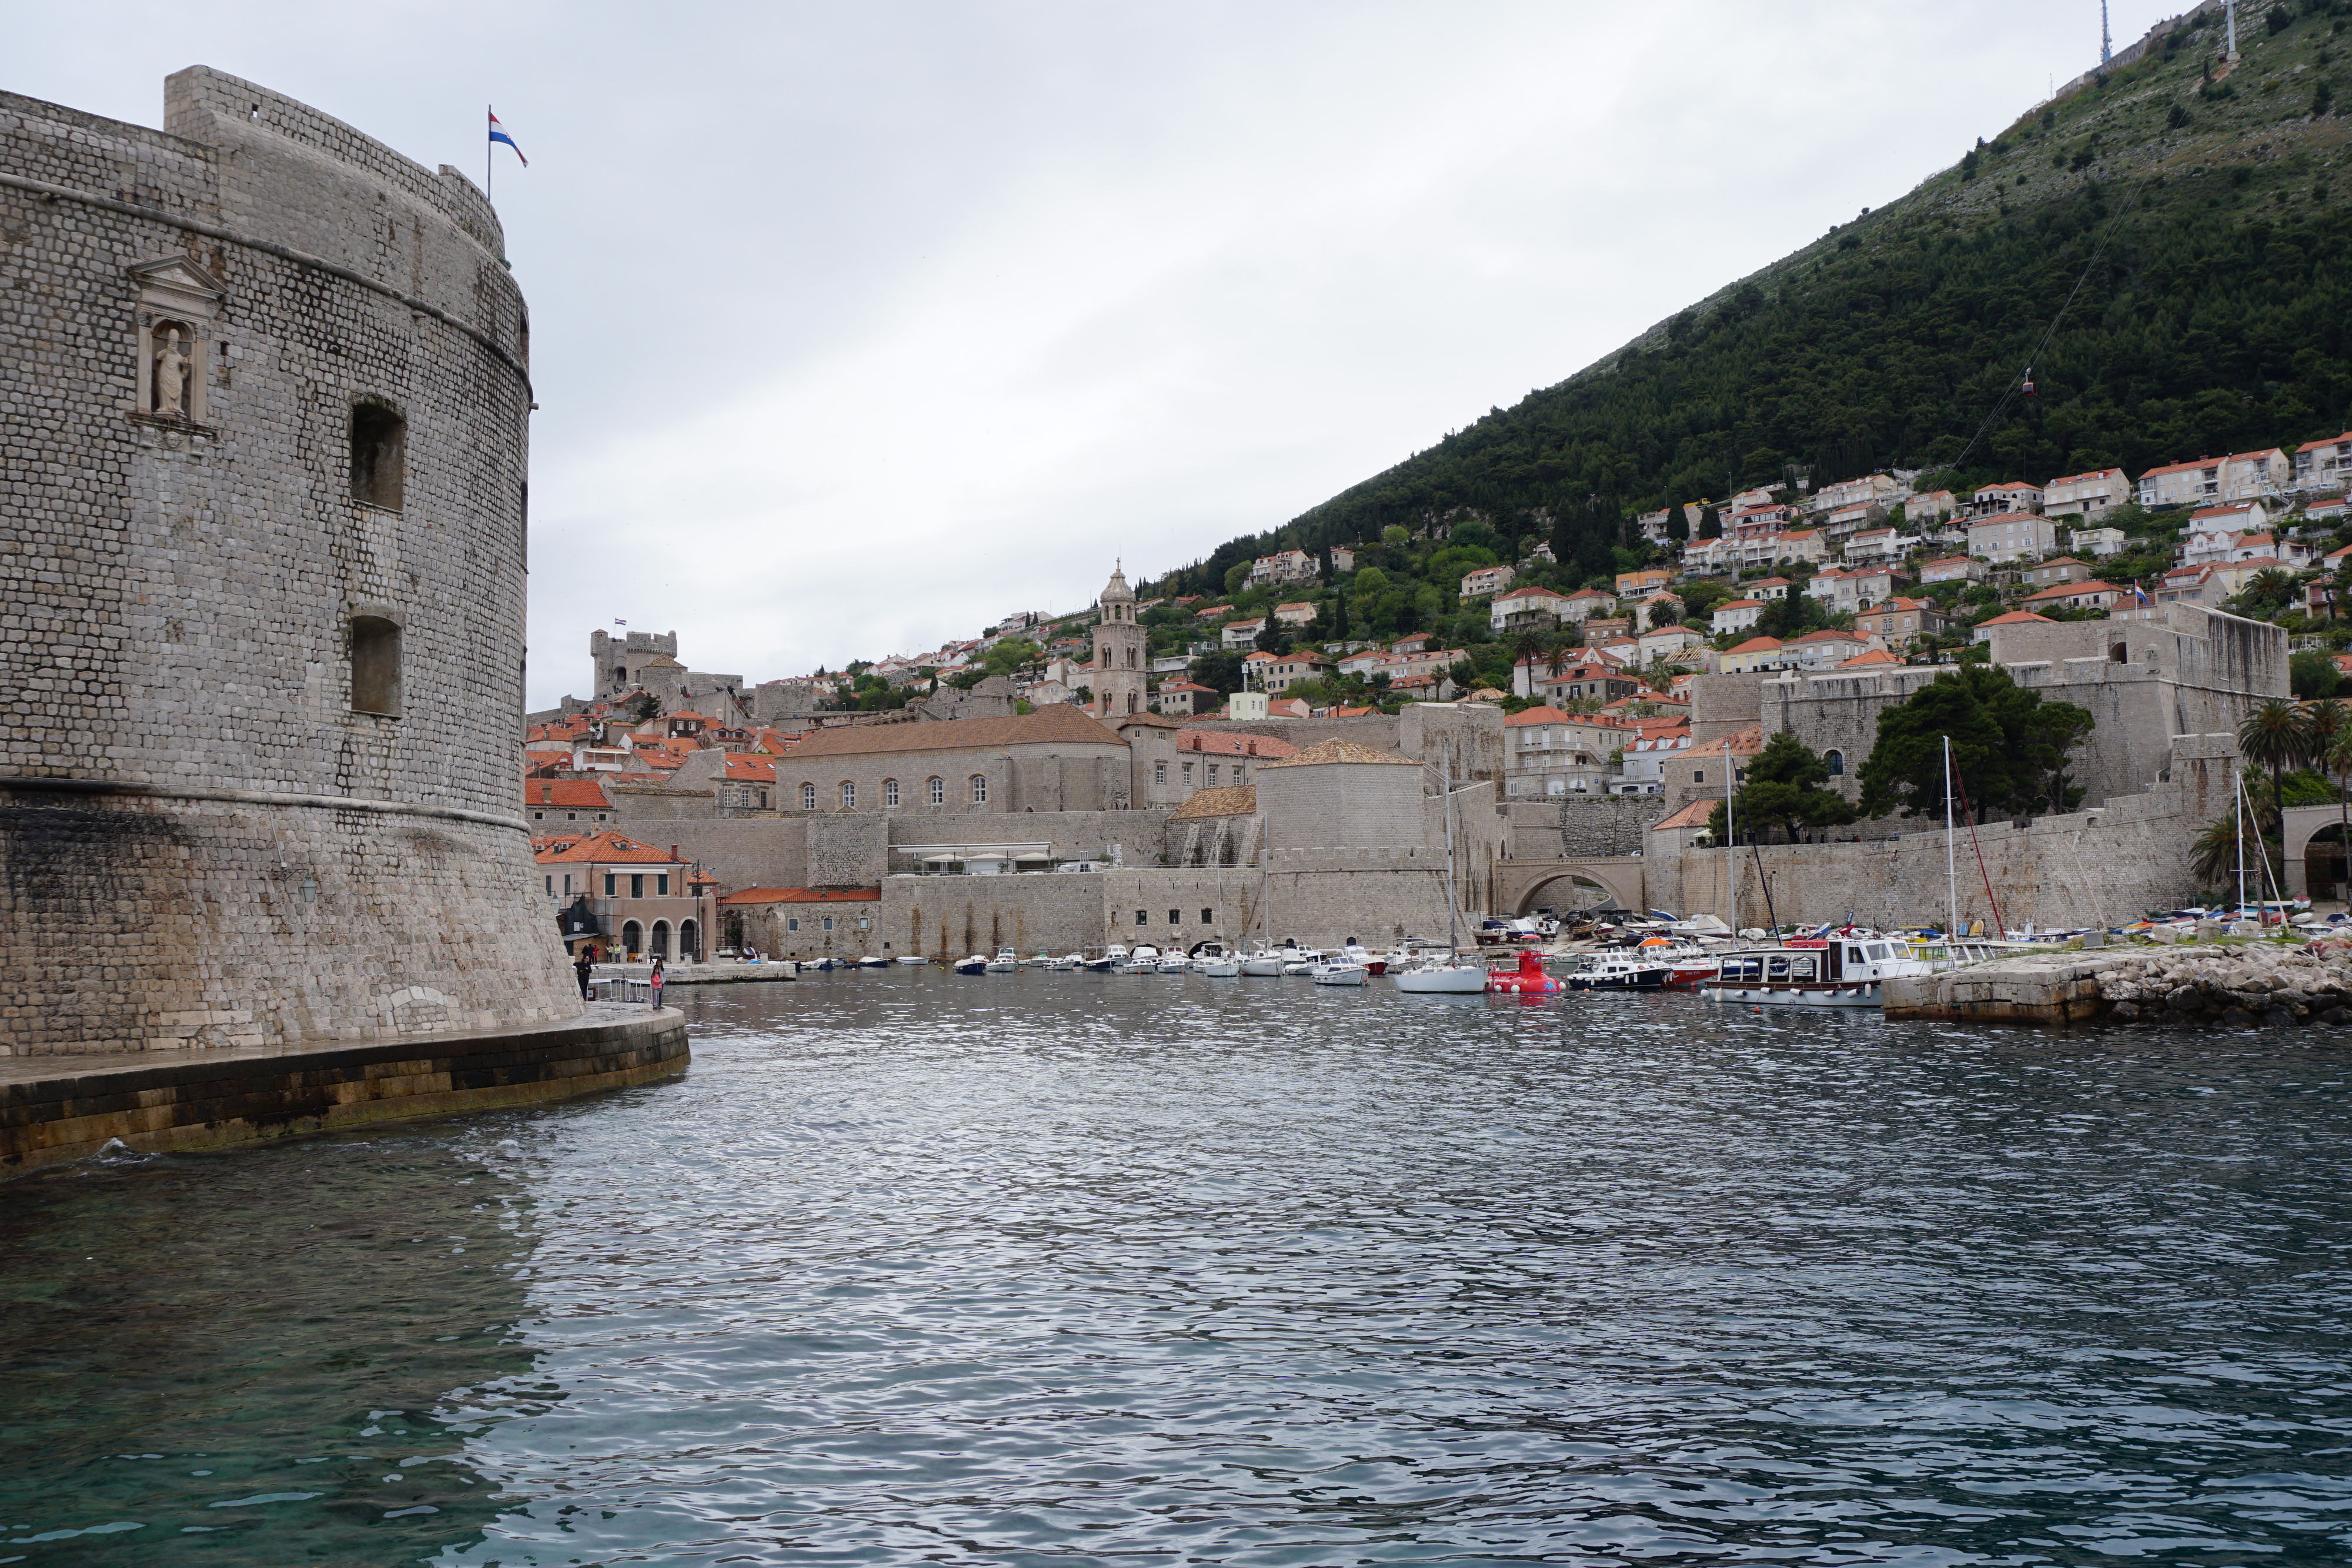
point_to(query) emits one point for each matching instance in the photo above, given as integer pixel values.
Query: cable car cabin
(1838, 972)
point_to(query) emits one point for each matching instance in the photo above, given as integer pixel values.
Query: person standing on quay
(654, 984)
(584, 966)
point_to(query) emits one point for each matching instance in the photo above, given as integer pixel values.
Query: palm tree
(2215, 856)
(2277, 736)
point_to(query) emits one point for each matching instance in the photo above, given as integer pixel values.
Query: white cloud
(855, 327)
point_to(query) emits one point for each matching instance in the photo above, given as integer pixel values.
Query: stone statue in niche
(171, 374)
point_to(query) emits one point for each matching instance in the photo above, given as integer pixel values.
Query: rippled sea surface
(1069, 1269)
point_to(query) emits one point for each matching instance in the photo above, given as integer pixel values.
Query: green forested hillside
(2214, 320)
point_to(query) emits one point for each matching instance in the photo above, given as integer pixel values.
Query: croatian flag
(498, 134)
(2139, 594)
(618, 621)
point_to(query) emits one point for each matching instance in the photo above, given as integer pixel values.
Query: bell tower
(1117, 677)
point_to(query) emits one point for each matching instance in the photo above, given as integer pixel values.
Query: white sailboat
(1451, 977)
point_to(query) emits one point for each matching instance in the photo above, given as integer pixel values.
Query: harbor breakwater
(55, 1109)
(2252, 985)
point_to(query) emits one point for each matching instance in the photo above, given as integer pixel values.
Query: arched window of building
(632, 939)
(808, 797)
(1836, 759)
(980, 789)
(690, 941)
(661, 939)
(938, 792)
(375, 665)
(848, 796)
(890, 792)
(2119, 654)
(379, 455)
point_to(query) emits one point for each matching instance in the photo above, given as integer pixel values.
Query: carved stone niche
(178, 301)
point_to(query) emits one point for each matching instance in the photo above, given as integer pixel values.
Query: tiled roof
(1231, 801)
(1694, 815)
(1055, 724)
(1343, 751)
(2182, 468)
(1875, 656)
(1756, 645)
(569, 794)
(1233, 743)
(744, 767)
(1541, 714)
(2018, 618)
(2067, 590)
(599, 848)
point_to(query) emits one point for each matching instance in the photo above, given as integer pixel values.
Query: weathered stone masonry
(203, 838)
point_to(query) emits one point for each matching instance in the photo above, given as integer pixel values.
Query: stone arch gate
(1523, 886)
(2315, 853)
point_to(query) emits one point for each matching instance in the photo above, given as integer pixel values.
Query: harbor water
(1064, 1269)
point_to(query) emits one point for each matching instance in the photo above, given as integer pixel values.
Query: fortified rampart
(261, 667)
(2090, 867)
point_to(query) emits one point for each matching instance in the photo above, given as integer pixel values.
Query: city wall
(2092, 867)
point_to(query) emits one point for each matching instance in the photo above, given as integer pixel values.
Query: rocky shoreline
(2252, 985)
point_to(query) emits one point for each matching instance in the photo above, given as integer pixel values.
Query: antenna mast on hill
(2106, 49)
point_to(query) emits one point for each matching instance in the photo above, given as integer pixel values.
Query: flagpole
(489, 154)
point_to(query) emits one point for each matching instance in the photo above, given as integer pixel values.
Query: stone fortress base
(54, 1109)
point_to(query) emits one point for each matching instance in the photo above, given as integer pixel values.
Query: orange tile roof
(604, 847)
(568, 794)
(2018, 618)
(1232, 743)
(1756, 645)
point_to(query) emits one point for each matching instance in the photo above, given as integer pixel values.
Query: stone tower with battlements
(1117, 674)
(267, 404)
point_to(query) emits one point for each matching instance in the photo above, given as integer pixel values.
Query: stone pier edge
(57, 1110)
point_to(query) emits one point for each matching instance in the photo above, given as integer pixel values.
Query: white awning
(1032, 857)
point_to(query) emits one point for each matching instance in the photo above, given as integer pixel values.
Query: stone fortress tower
(261, 668)
(1118, 676)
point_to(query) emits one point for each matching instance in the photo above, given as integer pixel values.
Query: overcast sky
(858, 327)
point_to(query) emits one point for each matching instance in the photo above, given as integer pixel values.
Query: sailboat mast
(1951, 853)
(1730, 838)
(1445, 800)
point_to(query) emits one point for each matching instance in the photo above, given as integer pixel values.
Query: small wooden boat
(1840, 972)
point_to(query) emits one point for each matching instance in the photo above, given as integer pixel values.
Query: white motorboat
(1113, 956)
(1433, 977)
(910, 958)
(1838, 972)
(1223, 967)
(871, 962)
(975, 965)
(1296, 961)
(1143, 960)
(1068, 961)
(1263, 964)
(1331, 972)
(1038, 961)
(1355, 952)
(1175, 963)
(1005, 962)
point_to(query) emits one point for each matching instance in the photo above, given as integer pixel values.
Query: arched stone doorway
(1571, 890)
(690, 941)
(2325, 867)
(661, 939)
(633, 940)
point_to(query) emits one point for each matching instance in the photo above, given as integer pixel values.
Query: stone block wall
(183, 585)
(2086, 868)
(146, 924)
(1558, 827)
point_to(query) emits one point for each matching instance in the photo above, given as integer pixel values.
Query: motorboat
(1841, 972)
(871, 962)
(1174, 964)
(1527, 979)
(975, 965)
(1355, 952)
(1689, 964)
(1633, 971)
(1144, 959)
(1039, 960)
(1445, 977)
(1296, 961)
(1225, 966)
(1112, 957)
(1334, 972)
(911, 959)
(1265, 964)
(1005, 962)
(1068, 961)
